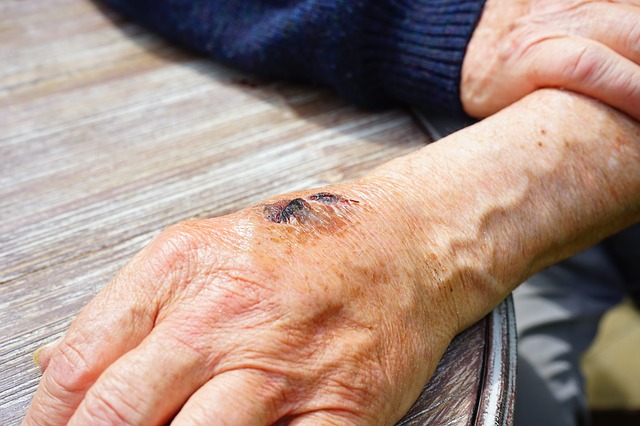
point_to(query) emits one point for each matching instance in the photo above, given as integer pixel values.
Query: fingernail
(38, 352)
(36, 356)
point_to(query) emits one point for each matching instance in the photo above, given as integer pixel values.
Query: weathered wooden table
(109, 134)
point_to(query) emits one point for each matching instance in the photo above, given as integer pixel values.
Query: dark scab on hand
(287, 210)
(300, 209)
(329, 199)
(297, 208)
(273, 212)
(324, 198)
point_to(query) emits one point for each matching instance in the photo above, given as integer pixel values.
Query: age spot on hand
(300, 210)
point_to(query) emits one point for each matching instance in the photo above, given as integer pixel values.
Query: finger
(325, 418)
(110, 325)
(614, 25)
(590, 68)
(238, 397)
(146, 386)
(42, 355)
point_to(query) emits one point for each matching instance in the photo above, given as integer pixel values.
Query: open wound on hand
(321, 206)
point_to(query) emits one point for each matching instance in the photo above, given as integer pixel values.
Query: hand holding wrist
(585, 46)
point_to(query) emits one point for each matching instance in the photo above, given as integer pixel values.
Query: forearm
(526, 188)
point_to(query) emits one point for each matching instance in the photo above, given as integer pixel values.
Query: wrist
(442, 223)
(528, 187)
(424, 238)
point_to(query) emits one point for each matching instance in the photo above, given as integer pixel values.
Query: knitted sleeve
(373, 52)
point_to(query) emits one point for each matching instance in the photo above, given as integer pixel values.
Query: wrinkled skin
(339, 314)
(269, 320)
(590, 47)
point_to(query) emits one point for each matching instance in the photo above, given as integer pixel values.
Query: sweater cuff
(413, 50)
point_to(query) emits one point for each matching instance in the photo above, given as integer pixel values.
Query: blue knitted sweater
(375, 53)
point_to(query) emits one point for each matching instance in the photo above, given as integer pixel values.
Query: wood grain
(110, 134)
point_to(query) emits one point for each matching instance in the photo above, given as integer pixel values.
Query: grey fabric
(557, 313)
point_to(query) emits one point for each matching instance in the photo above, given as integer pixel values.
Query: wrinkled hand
(310, 314)
(322, 309)
(589, 47)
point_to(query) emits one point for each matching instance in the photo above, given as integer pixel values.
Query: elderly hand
(335, 306)
(590, 47)
(311, 308)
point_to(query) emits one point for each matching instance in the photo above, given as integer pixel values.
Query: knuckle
(581, 65)
(69, 369)
(181, 238)
(175, 249)
(185, 228)
(110, 404)
(528, 42)
(573, 64)
(100, 410)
